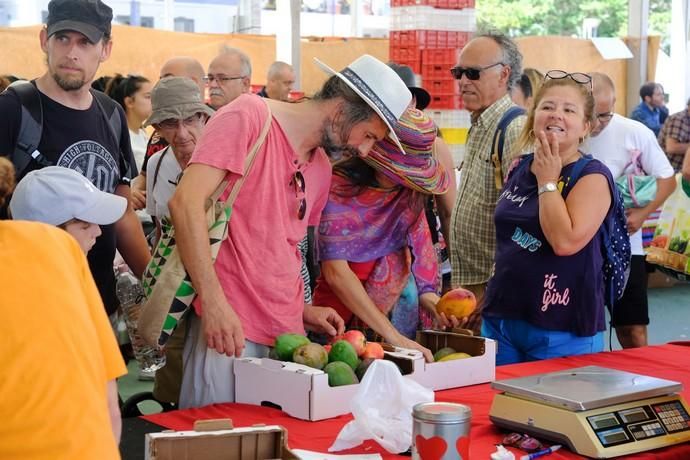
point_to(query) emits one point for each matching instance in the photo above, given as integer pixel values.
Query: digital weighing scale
(595, 411)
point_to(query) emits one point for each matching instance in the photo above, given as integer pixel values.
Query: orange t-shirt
(57, 349)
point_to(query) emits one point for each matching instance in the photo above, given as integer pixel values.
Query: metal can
(441, 431)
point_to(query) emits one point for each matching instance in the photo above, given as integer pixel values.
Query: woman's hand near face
(547, 162)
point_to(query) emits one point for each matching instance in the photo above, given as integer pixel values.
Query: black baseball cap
(89, 17)
(406, 74)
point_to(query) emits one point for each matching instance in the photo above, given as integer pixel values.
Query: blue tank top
(530, 282)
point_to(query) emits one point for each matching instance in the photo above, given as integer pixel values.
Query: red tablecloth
(671, 361)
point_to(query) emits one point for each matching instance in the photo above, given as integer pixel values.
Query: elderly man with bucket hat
(179, 116)
(253, 292)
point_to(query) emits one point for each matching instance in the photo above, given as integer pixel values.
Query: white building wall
(208, 18)
(214, 18)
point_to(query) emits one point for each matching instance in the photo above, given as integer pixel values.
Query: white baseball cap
(55, 195)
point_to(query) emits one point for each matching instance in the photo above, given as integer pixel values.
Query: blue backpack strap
(30, 128)
(499, 140)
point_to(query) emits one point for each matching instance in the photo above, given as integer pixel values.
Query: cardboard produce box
(480, 368)
(303, 392)
(217, 440)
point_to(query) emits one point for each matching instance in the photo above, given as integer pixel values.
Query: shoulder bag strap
(248, 162)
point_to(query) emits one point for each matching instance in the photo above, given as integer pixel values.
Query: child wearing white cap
(64, 198)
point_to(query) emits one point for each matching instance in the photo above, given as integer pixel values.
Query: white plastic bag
(382, 408)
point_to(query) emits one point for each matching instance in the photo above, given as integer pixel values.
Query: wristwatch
(547, 187)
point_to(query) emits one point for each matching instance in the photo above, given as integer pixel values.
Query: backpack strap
(109, 110)
(499, 139)
(158, 167)
(30, 128)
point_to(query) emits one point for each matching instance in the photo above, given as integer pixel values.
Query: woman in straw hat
(373, 235)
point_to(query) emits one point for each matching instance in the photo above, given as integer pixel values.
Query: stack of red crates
(432, 53)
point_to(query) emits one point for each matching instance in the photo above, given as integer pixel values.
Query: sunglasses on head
(472, 73)
(299, 184)
(577, 77)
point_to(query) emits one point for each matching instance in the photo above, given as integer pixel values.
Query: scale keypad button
(673, 416)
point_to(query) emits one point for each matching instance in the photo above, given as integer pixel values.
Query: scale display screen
(613, 436)
(634, 415)
(603, 421)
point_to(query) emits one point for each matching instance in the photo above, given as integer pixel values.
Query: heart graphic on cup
(432, 448)
(463, 447)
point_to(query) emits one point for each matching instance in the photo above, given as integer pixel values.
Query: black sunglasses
(577, 77)
(299, 184)
(472, 73)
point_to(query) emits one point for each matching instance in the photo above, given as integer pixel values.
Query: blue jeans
(519, 341)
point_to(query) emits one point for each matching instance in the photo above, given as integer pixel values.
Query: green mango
(286, 344)
(339, 374)
(312, 355)
(443, 352)
(343, 351)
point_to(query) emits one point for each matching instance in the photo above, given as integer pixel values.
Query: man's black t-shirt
(81, 140)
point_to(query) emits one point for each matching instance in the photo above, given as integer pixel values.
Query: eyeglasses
(604, 116)
(577, 77)
(472, 73)
(299, 184)
(173, 123)
(220, 78)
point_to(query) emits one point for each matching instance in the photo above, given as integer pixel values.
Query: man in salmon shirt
(254, 291)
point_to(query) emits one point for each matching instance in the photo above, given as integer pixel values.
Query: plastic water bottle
(131, 296)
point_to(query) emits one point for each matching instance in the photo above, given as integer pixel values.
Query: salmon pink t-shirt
(259, 263)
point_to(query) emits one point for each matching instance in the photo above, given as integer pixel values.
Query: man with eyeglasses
(489, 66)
(229, 76)
(613, 141)
(253, 292)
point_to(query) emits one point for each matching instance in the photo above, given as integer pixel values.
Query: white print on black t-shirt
(515, 198)
(94, 162)
(551, 295)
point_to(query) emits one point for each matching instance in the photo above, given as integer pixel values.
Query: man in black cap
(77, 128)
(438, 207)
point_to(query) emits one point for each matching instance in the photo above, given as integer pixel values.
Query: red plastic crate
(436, 72)
(428, 39)
(440, 56)
(415, 64)
(441, 87)
(446, 101)
(401, 53)
(451, 4)
(407, 38)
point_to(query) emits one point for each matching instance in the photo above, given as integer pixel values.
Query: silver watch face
(548, 187)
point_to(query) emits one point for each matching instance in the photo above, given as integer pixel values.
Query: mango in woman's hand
(457, 302)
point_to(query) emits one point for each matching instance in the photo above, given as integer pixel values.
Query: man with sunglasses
(613, 141)
(488, 68)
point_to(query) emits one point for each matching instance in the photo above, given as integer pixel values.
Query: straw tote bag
(167, 286)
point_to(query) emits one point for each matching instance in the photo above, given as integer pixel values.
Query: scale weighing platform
(595, 411)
